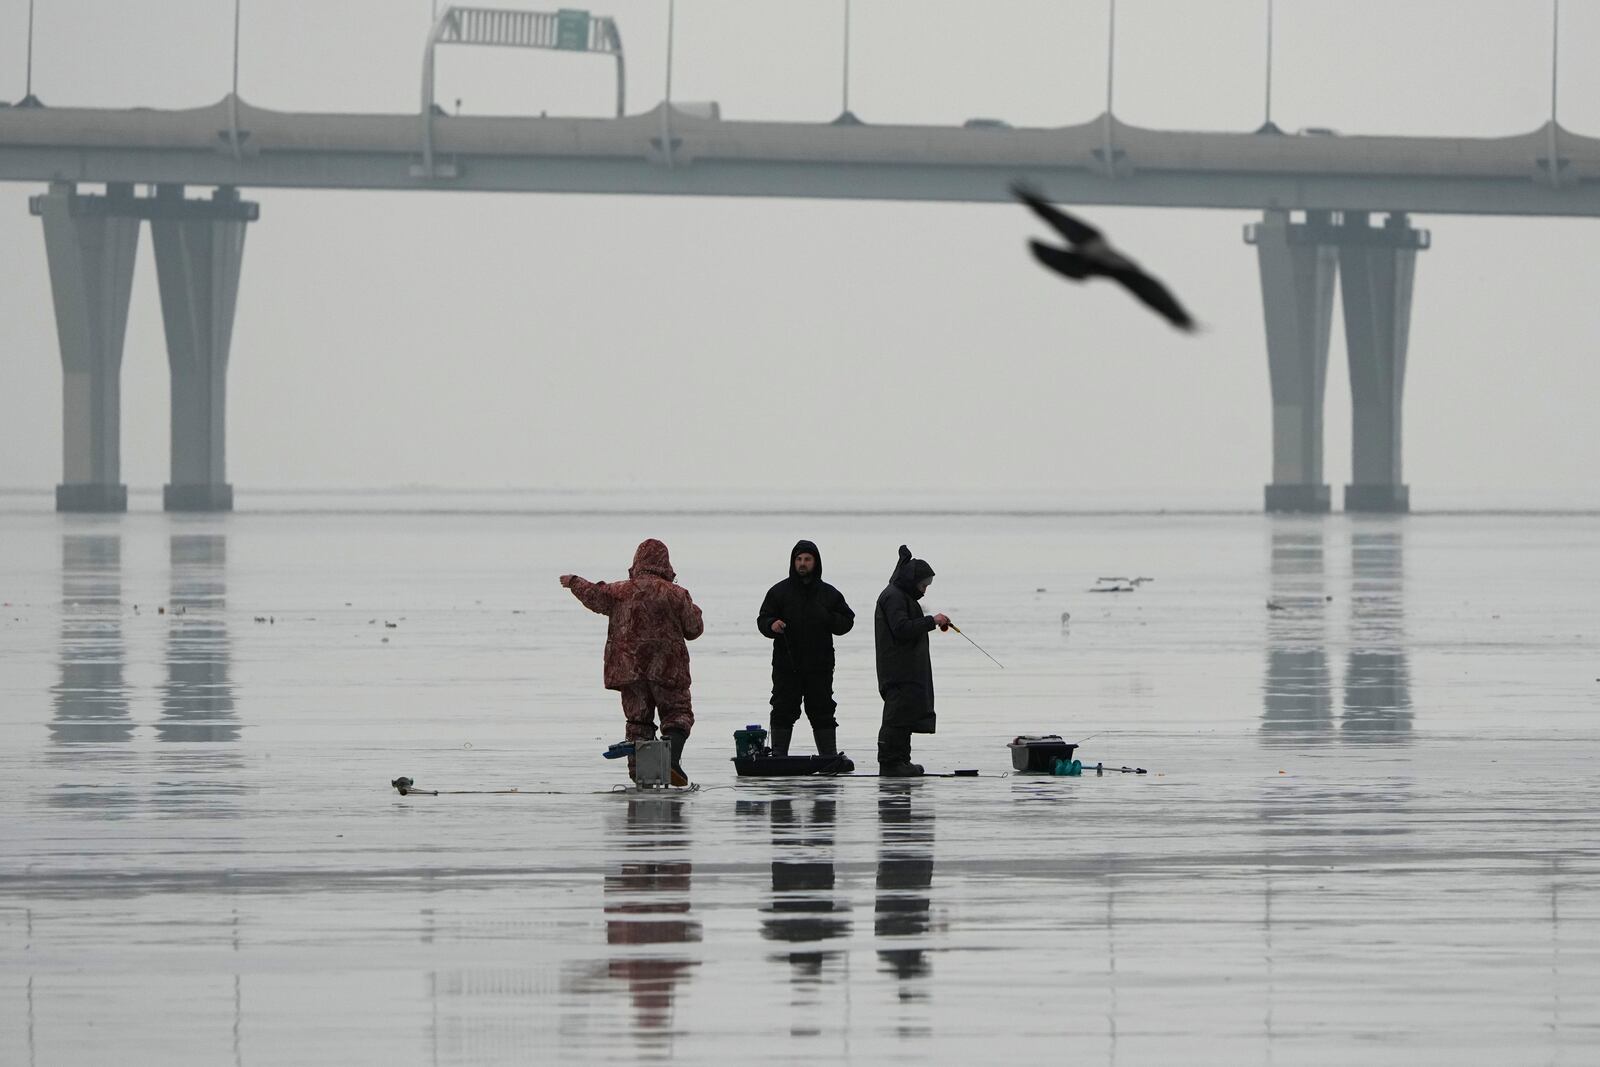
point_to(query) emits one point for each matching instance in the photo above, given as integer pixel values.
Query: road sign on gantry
(572, 30)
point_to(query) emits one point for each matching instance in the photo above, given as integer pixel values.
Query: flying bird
(1091, 254)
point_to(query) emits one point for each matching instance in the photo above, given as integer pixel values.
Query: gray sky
(480, 340)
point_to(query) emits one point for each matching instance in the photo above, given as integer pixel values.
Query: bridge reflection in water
(1377, 673)
(1298, 689)
(91, 718)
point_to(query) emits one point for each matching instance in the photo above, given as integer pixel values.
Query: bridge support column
(90, 251)
(1297, 297)
(1376, 268)
(199, 249)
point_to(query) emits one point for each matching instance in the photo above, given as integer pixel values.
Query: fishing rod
(977, 646)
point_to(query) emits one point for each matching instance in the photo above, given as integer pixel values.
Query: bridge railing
(566, 30)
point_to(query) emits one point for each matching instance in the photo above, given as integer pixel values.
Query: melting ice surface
(1371, 831)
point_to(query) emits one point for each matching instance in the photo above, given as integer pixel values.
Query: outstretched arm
(595, 596)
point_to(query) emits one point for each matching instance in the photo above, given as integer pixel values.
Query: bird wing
(1074, 230)
(1155, 296)
(1060, 260)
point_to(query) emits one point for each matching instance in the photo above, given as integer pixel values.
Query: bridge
(1331, 206)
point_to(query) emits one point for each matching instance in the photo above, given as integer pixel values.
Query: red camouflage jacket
(651, 618)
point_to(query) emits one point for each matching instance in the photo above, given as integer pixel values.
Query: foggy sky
(518, 340)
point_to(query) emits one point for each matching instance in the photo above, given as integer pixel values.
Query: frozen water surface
(1371, 831)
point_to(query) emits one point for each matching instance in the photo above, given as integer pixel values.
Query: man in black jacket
(905, 671)
(801, 616)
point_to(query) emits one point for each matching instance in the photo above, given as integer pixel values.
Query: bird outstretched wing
(1075, 230)
(1060, 260)
(1090, 254)
(1155, 296)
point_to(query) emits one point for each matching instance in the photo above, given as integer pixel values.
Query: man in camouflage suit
(646, 658)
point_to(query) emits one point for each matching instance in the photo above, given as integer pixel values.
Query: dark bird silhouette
(1091, 254)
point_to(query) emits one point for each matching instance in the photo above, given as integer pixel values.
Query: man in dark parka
(801, 616)
(905, 671)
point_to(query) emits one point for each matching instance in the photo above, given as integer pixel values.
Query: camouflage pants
(640, 702)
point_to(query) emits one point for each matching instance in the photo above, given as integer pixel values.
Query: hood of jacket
(651, 558)
(816, 572)
(909, 572)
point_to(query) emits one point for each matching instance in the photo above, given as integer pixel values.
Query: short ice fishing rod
(977, 646)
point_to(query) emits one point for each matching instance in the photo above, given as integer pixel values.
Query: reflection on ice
(1297, 694)
(805, 909)
(905, 879)
(648, 911)
(91, 718)
(1377, 676)
(197, 701)
(91, 700)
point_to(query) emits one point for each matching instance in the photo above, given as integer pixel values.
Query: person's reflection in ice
(90, 702)
(804, 909)
(647, 905)
(1297, 695)
(905, 879)
(1377, 675)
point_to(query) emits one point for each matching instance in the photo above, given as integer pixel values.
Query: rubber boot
(827, 740)
(780, 737)
(677, 739)
(894, 753)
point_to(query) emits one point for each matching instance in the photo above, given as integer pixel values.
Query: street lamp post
(846, 92)
(1555, 52)
(1552, 148)
(1108, 138)
(233, 97)
(28, 99)
(1267, 125)
(672, 17)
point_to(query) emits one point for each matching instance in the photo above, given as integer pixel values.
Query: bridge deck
(668, 152)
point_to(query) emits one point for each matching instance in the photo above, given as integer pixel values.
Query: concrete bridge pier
(199, 246)
(1377, 267)
(1297, 274)
(89, 245)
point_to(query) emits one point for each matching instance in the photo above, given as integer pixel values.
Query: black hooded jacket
(813, 614)
(900, 630)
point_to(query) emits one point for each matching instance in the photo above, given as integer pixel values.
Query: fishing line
(408, 788)
(977, 646)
